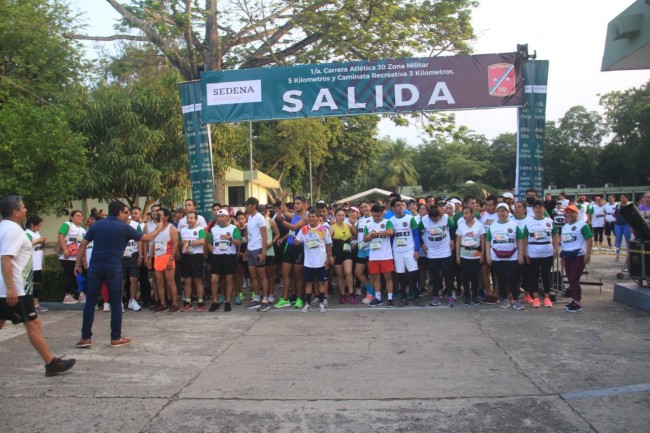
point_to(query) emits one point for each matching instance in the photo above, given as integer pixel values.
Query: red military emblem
(501, 79)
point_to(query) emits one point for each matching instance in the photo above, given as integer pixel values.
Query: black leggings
(37, 283)
(506, 273)
(69, 276)
(437, 267)
(470, 270)
(598, 234)
(537, 266)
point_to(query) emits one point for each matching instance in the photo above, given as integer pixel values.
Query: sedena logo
(234, 92)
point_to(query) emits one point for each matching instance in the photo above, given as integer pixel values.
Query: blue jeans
(622, 231)
(113, 279)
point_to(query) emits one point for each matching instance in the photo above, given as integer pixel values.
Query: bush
(53, 284)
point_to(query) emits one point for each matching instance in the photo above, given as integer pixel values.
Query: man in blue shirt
(110, 237)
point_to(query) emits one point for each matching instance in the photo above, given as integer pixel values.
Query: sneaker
(40, 309)
(390, 303)
(367, 300)
(220, 299)
(343, 299)
(299, 303)
(69, 299)
(325, 303)
(133, 305)
(122, 341)
(271, 299)
(158, 308)
(574, 308)
(435, 301)
(353, 300)
(253, 305)
(375, 303)
(227, 308)
(282, 303)
(418, 302)
(482, 294)
(467, 302)
(239, 298)
(322, 308)
(82, 297)
(214, 307)
(402, 303)
(504, 303)
(83, 344)
(264, 306)
(570, 304)
(548, 303)
(357, 291)
(489, 299)
(535, 303)
(306, 308)
(292, 299)
(186, 307)
(529, 299)
(173, 309)
(200, 308)
(476, 301)
(58, 366)
(518, 305)
(107, 307)
(452, 301)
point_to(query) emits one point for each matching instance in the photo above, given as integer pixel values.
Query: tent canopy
(370, 192)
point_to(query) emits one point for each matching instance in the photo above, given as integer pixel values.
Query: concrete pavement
(355, 369)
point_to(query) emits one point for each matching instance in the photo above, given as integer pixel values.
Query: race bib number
(567, 238)
(375, 245)
(437, 231)
(540, 235)
(127, 253)
(159, 248)
(223, 246)
(501, 237)
(313, 244)
(363, 245)
(73, 248)
(347, 247)
(400, 242)
(469, 243)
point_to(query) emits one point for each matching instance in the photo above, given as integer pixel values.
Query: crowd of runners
(493, 250)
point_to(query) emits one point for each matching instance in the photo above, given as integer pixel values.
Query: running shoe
(529, 299)
(220, 299)
(390, 304)
(186, 307)
(325, 303)
(200, 308)
(467, 302)
(271, 299)
(239, 298)
(107, 307)
(69, 299)
(489, 299)
(82, 297)
(476, 301)
(574, 308)
(504, 304)
(306, 308)
(214, 307)
(418, 302)
(535, 303)
(227, 308)
(435, 301)
(282, 303)
(452, 301)
(299, 303)
(133, 305)
(158, 308)
(518, 305)
(367, 300)
(353, 299)
(375, 303)
(342, 299)
(173, 309)
(58, 366)
(253, 305)
(264, 306)
(40, 309)
(548, 303)
(322, 308)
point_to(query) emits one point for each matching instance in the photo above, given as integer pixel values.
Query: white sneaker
(271, 299)
(306, 308)
(325, 303)
(69, 299)
(82, 297)
(107, 307)
(322, 307)
(133, 305)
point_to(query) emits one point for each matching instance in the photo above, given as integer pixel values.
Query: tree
(582, 127)
(42, 158)
(135, 142)
(395, 167)
(503, 161)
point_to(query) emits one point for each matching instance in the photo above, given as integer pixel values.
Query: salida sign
(380, 86)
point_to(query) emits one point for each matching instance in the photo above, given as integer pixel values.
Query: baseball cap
(321, 204)
(455, 201)
(571, 207)
(222, 212)
(507, 195)
(598, 198)
(354, 208)
(504, 206)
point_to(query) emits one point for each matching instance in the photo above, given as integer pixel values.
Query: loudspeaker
(634, 218)
(639, 260)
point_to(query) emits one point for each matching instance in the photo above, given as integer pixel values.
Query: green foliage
(233, 34)
(395, 166)
(135, 142)
(53, 282)
(42, 159)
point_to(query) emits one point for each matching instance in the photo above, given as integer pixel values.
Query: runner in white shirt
(542, 246)
(437, 245)
(598, 221)
(610, 218)
(190, 206)
(34, 224)
(470, 244)
(377, 235)
(256, 252)
(317, 244)
(577, 241)
(487, 218)
(192, 240)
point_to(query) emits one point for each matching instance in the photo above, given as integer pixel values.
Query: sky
(569, 33)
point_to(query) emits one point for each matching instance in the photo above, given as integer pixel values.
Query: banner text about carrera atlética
(363, 87)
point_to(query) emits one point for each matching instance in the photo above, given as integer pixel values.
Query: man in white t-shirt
(255, 255)
(16, 302)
